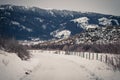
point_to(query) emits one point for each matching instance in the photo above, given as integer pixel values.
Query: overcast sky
(100, 6)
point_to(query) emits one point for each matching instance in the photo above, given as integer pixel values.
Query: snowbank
(13, 68)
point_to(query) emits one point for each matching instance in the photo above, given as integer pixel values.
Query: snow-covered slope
(81, 20)
(105, 21)
(84, 23)
(44, 65)
(13, 68)
(61, 34)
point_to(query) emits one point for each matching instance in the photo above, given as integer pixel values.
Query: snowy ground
(45, 65)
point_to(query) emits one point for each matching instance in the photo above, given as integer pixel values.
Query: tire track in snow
(29, 72)
(79, 68)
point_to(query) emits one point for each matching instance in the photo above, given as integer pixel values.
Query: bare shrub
(11, 45)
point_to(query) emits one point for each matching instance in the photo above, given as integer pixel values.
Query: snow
(105, 21)
(61, 34)
(116, 21)
(33, 9)
(7, 13)
(44, 65)
(62, 24)
(91, 26)
(81, 20)
(10, 7)
(33, 41)
(25, 28)
(39, 19)
(51, 12)
(21, 26)
(15, 23)
(12, 67)
(44, 26)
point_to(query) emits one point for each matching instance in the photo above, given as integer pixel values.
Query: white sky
(100, 6)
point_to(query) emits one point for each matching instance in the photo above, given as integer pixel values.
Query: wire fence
(110, 59)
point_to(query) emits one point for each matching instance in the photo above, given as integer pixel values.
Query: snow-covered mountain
(27, 23)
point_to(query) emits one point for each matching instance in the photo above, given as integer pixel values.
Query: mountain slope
(29, 23)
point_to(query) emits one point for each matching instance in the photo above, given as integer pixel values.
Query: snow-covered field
(44, 65)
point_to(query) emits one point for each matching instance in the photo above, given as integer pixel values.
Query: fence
(110, 59)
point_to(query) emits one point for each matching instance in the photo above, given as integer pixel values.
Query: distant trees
(101, 48)
(97, 48)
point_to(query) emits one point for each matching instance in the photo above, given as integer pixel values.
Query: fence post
(89, 55)
(86, 56)
(112, 61)
(83, 55)
(93, 56)
(119, 60)
(106, 59)
(101, 58)
(78, 53)
(96, 56)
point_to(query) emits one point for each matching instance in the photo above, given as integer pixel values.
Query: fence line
(110, 59)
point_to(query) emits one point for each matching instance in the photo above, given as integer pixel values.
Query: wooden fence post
(93, 56)
(112, 60)
(89, 55)
(83, 55)
(106, 59)
(86, 56)
(101, 58)
(96, 56)
(119, 60)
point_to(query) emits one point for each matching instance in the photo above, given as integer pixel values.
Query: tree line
(113, 48)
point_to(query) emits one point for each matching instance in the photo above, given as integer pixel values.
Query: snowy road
(57, 68)
(45, 65)
(60, 67)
